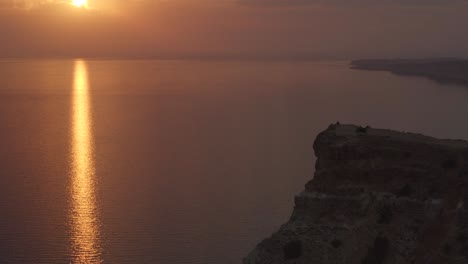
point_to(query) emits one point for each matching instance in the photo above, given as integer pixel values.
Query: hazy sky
(319, 28)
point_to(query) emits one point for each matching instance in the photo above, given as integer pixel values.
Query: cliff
(454, 71)
(378, 196)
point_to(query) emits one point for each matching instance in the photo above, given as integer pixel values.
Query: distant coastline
(452, 71)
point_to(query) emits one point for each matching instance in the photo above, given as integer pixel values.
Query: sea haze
(107, 161)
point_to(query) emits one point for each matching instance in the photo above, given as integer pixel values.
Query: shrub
(449, 164)
(292, 250)
(378, 252)
(462, 238)
(336, 243)
(385, 215)
(447, 249)
(361, 129)
(465, 251)
(405, 191)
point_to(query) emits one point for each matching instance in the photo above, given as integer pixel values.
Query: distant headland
(452, 71)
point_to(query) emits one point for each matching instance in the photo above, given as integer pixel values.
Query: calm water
(179, 161)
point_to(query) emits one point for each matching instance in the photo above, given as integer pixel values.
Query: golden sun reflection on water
(85, 236)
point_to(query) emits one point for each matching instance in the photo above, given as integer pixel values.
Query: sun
(80, 3)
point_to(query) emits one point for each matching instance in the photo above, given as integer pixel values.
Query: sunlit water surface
(179, 161)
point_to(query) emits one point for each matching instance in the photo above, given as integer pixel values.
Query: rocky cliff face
(378, 196)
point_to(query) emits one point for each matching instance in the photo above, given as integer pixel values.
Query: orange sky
(323, 29)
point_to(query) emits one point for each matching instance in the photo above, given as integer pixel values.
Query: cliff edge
(378, 196)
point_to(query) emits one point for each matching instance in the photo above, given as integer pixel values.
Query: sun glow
(80, 3)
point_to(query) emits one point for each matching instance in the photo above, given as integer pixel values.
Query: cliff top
(353, 132)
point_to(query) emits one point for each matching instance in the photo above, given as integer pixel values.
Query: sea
(180, 161)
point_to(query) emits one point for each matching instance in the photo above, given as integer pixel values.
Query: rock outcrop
(380, 197)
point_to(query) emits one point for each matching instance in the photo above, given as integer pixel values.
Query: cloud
(34, 4)
(284, 3)
(134, 28)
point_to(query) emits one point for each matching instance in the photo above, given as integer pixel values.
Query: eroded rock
(378, 196)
